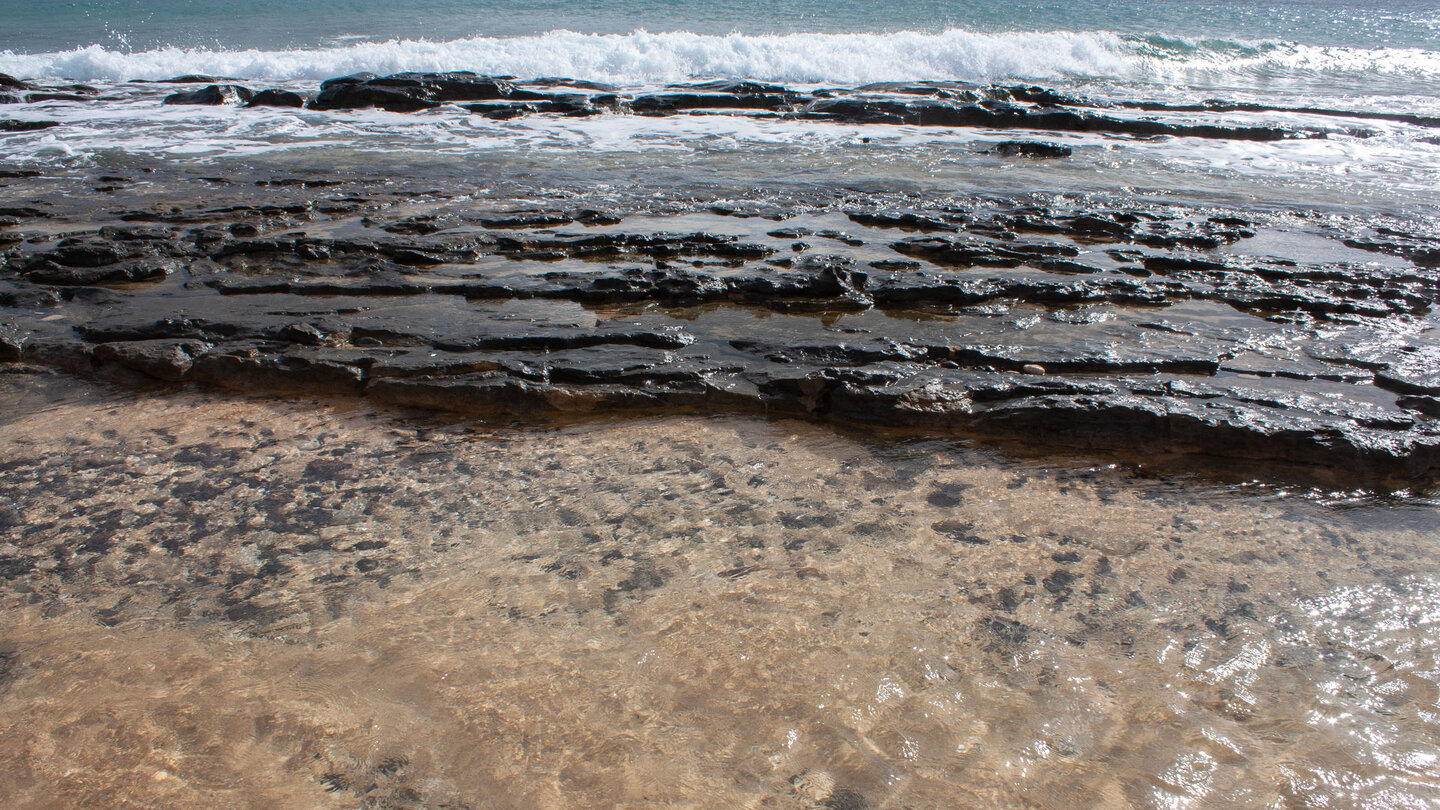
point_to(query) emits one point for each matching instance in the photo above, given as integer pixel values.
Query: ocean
(1286, 57)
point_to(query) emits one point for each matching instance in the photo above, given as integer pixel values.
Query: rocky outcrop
(214, 95)
(408, 92)
(1143, 330)
(279, 98)
(929, 104)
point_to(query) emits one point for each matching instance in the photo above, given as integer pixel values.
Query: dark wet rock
(46, 271)
(35, 98)
(358, 96)
(11, 347)
(310, 334)
(27, 296)
(1058, 324)
(556, 339)
(303, 182)
(86, 254)
(1211, 426)
(1035, 95)
(60, 353)
(669, 103)
(193, 78)
(967, 252)
(279, 98)
(143, 326)
(10, 125)
(570, 104)
(740, 88)
(1416, 372)
(539, 219)
(844, 798)
(1008, 632)
(249, 369)
(606, 246)
(904, 220)
(1000, 115)
(8, 82)
(409, 92)
(1424, 251)
(861, 111)
(1430, 406)
(163, 359)
(487, 394)
(1426, 257)
(1218, 106)
(1031, 149)
(215, 94)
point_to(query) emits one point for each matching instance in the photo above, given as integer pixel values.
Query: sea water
(1360, 57)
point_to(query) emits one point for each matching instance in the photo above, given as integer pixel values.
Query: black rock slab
(11, 125)
(168, 360)
(46, 271)
(279, 98)
(1031, 149)
(410, 92)
(214, 95)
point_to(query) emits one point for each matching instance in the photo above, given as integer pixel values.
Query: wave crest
(645, 58)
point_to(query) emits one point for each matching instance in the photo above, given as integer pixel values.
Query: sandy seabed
(230, 602)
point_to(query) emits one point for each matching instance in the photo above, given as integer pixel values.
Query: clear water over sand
(241, 603)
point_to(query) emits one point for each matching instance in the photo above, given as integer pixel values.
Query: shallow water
(243, 603)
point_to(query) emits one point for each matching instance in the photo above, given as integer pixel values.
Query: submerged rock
(11, 125)
(215, 94)
(1031, 149)
(279, 98)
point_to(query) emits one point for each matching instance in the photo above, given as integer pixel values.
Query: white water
(639, 58)
(1363, 162)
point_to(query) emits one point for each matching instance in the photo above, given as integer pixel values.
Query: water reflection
(242, 603)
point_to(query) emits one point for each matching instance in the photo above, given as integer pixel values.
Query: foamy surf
(641, 57)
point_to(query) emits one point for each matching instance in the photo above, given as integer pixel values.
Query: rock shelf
(1149, 330)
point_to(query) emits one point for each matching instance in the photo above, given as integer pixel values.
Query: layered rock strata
(1149, 330)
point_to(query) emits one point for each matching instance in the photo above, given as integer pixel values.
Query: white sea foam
(640, 58)
(1397, 165)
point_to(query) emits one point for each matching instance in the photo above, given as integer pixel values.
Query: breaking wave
(646, 58)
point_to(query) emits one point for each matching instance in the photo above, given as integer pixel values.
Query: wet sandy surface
(230, 602)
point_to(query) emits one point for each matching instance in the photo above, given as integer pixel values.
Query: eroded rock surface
(1151, 330)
